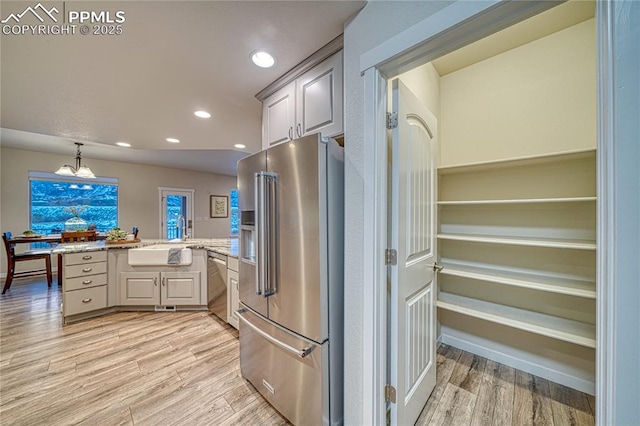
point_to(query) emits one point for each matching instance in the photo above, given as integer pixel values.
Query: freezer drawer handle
(302, 353)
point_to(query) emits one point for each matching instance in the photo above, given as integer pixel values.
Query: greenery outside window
(51, 197)
(235, 212)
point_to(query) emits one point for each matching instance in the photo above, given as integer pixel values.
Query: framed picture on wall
(218, 206)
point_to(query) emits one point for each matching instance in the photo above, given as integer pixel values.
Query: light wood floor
(182, 369)
(471, 390)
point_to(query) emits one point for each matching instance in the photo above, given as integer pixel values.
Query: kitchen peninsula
(100, 277)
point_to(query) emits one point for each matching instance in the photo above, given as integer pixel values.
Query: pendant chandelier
(80, 170)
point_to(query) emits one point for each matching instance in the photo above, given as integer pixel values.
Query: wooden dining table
(36, 247)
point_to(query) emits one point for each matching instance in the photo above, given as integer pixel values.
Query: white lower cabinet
(180, 288)
(233, 292)
(234, 299)
(159, 288)
(84, 283)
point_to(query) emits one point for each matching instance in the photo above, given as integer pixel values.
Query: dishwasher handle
(219, 261)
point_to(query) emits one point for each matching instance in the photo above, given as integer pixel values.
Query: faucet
(184, 227)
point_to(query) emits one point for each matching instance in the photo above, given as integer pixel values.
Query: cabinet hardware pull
(87, 257)
(155, 281)
(163, 278)
(86, 269)
(291, 133)
(299, 129)
(87, 300)
(87, 281)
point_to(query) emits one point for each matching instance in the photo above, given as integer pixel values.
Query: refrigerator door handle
(259, 227)
(302, 353)
(271, 232)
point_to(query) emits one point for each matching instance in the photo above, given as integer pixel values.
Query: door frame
(453, 27)
(190, 207)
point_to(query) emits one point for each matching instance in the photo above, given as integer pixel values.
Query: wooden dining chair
(77, 236)
(73, 237)
(13, 258)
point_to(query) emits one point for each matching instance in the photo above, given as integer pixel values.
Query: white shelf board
(518, 201)
(522, 241)
(517, 161)
(576, 332)
(549, 284)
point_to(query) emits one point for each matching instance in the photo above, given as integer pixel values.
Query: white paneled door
(412, 344)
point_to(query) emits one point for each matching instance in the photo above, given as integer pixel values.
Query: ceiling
(543, 24)
(142, 86)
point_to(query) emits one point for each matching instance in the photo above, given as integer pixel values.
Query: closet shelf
(564, 156)
(550, 284)
(518, 201)
(576, 332)
(521, 241)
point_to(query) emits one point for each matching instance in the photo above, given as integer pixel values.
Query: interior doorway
(536, 125)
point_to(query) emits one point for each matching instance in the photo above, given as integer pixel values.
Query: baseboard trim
(487, 351)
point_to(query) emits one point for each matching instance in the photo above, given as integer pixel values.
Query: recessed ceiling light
(262, 59)
(173, 140)
(124, 144)
(202, 114)
(240, 146)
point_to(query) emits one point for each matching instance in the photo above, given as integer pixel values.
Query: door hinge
(390, 394)
(390, 257)
(392, 120)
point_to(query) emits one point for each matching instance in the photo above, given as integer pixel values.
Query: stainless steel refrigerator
(291, 199)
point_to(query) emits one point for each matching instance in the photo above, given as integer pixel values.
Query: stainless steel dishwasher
(217, 284)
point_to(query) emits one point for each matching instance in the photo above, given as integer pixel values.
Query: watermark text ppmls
(55, 18)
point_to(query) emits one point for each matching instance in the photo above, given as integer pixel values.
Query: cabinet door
(139, 288)
(180, 288)
(233, 298)
(278, 116)
(319, 99)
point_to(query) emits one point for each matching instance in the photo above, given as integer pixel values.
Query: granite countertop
(226, 246)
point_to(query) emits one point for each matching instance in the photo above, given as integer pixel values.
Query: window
(235, 212)
(50, 195)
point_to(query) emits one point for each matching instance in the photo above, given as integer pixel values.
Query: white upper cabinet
(279, 116)
(319, 99)
(310, 103)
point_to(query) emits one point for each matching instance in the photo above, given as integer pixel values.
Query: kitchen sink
(158, 254)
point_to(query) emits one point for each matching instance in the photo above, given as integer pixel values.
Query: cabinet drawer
(85, 300)
(77, 283)
(85, 257)
(85, 269)
(232, 263)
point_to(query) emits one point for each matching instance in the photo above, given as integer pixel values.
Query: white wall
(424, 82)
(138, 203)
(377, 22)
(538, 98)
